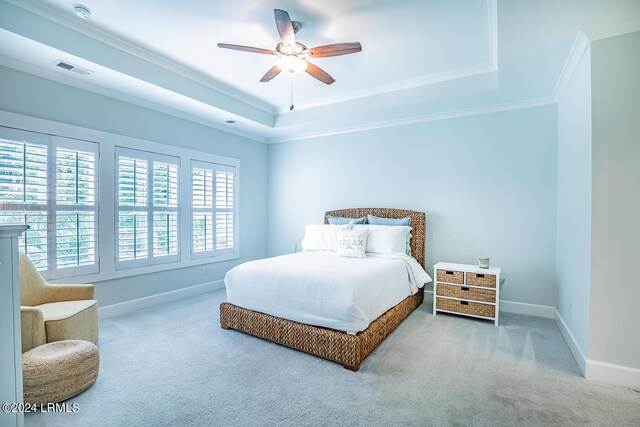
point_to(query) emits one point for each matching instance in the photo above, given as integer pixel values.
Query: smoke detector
(82, 11)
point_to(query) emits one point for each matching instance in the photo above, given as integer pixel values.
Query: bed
(266, 298)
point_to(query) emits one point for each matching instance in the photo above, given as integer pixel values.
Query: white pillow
(320, 237)
(352, 243)
(386, 239)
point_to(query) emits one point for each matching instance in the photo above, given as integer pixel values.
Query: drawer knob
(464, 289)
(464, 302)
(480, 276)
(448, 272)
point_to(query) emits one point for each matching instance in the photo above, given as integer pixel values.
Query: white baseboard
(575, 348)
(537, 310)
(545, 311)
(613, 374)
(596, 370)
(127, 307)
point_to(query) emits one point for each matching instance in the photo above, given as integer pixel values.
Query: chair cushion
(71, 320)
(65, 309)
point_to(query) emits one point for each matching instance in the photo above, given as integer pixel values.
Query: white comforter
(322, 289)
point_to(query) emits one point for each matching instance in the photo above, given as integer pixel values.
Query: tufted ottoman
(59, 370)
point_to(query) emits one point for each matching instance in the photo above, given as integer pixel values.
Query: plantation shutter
(213, 209)
(23, 194)
(202, 211)
(165, 201)
(147, 217)
(133, 230)
(224, 211)
(76, 208)
(49, 183)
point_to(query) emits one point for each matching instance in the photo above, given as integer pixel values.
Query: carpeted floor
(172, 365)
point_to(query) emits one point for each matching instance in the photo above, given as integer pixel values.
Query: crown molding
(121, 96)
(71, 23)
(580, 45)
(70, 81)
(487, 109)
(394, 87)
(488, 67)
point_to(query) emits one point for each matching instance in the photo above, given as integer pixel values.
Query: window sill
(138, 271)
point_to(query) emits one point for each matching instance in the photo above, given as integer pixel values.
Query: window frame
(227, 169)
(52, 207)
(107, 143)
(214, 252)
(150, 209)
(95, 208)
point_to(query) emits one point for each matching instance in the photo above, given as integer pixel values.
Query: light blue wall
(615, 289)
(37, 97)
(487, 184)
(573, 248)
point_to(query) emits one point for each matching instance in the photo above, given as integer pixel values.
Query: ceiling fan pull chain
(291, 107)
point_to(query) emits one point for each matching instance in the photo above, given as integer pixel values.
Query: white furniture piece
(10, 334)
(467, 290)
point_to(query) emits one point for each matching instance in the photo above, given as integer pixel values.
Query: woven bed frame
(350, 350)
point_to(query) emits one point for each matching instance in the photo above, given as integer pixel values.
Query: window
(76, 208)
(224, 210)
(146, 209)
(111, 209)
(49, 183)
(212, 209)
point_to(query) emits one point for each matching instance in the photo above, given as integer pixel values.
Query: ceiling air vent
(73, 68)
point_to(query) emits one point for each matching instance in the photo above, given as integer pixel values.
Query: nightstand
(467, 290)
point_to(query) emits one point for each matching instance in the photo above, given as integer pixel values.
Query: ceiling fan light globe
(291, 63)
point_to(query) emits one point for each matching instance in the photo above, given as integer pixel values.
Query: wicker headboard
(418, 222)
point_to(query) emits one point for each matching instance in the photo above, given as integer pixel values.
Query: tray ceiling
(420, 58)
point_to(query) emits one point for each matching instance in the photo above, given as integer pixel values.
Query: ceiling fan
(292, 55)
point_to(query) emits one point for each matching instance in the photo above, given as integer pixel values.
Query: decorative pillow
(338, 220)
(353, 243)
(348, 226)
(386, 240)
(376, 220)
(320, 237)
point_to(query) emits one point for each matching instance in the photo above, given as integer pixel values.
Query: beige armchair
(54, 312)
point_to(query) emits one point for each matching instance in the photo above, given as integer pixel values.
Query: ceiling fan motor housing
(299, 49)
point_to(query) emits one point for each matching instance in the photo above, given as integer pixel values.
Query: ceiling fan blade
(335, 49)
(285, 27)
(274, 71)
(319, 73)
(246, 48)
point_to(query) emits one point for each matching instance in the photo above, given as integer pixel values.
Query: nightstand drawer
(463, 292)
(466, 307)
(477, 279)
(450, 276)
